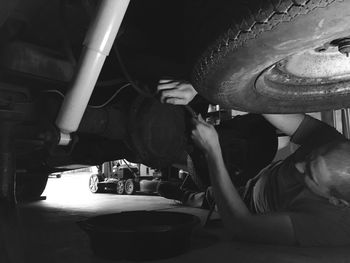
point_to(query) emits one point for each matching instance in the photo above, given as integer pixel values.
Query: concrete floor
(49, 232)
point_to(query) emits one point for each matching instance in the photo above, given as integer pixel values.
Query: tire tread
(256, 17)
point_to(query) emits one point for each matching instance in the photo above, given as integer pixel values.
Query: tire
(30, 185)
(120, 187)
(93, 184)
(129, 187)
(240, 69)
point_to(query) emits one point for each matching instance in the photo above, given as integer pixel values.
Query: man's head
(327, 170)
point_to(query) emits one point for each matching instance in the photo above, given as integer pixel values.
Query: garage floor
(50, 233)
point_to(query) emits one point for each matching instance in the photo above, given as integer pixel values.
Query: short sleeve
(313, 133)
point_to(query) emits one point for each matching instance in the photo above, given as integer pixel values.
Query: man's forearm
(231, 206)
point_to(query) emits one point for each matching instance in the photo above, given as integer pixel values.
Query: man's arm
(182, 93)
(286, 123)
(269, 228)
(306, 131)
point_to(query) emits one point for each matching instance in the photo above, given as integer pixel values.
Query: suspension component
(97, 45)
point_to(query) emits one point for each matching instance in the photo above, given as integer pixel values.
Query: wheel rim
(120, 187)
(314, 74)
(93, 183)
(129, 187)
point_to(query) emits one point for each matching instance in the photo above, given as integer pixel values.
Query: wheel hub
(315, 75)
(326, 64)
(343, 46)
(120, 187)
(93, 183)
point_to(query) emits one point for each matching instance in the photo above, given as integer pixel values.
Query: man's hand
(176, 92)
(205, 136)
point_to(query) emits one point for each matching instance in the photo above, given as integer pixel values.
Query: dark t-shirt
(280, 188)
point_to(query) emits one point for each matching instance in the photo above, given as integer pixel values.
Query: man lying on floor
(302, 200)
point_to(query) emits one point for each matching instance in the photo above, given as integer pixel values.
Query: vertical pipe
(329, 117)
(345, 114)
(97, 45)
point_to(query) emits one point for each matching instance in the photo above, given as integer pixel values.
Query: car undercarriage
(78, 78)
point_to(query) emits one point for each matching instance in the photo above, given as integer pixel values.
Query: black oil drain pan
(140, 235)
